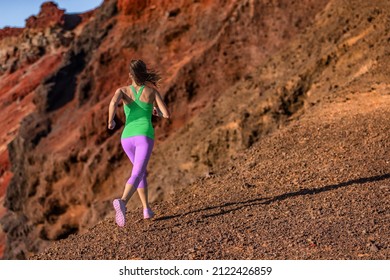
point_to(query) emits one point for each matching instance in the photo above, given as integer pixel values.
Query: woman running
(140, 100)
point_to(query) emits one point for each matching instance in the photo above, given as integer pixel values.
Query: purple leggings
(138, 149)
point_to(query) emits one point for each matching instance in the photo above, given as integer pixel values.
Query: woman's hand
(111, 124)
(156, 112)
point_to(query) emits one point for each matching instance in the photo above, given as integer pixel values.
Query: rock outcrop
(44, 33)
(10, 32)
(49, 15)
(28, 55)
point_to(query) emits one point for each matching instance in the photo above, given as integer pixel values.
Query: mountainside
(318, 188)
(247, 77)
(27, 56)
(314, 182)
(66, 166)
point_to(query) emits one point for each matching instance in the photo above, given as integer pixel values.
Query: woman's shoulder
(120, 90)
(125, 91)
(123, 88)
(150, 88)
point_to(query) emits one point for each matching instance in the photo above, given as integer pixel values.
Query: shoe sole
(119, 215)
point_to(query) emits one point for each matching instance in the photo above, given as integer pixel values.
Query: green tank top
(138, 117)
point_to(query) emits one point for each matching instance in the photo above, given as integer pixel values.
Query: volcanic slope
(67, 166)
(318, 188)
(341, 57)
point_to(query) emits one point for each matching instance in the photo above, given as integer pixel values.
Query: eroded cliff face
(67, 167)
(27, 56)
(317, 186)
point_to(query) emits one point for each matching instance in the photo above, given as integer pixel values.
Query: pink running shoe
(120, 209)
(148, 213)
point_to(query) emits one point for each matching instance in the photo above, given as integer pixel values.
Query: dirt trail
(318, 188)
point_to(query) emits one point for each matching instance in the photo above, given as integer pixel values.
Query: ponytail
(141, 74)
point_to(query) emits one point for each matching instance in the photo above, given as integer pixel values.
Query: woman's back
(147, 96)
(138, 108)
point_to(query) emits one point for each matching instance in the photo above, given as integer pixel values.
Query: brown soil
(318, 188)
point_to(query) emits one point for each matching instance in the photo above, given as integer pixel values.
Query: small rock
(247, 185)
(373, 247)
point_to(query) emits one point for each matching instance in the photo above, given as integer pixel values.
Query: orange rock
(10, 32)
(49, 15)
(132, 6)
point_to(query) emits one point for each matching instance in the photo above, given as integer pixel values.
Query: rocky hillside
(232, 76)
(318, 188)
(27, 56)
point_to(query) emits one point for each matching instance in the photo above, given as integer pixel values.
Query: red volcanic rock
(10, 32)
(87, 15)
(132, 6)
(26, 59)
(2, 243)
(49, 15)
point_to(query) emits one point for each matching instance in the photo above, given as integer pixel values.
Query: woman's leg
(129, 148)
(142, 190)
(144, 146)
(143, 183)
(138, 149)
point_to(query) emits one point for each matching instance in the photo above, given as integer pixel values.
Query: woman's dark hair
(141, 74)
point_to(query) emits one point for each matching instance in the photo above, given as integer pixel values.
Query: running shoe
(120, 212)
(148, 213)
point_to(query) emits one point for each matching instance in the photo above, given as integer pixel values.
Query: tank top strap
(137, 95)
(140, 91)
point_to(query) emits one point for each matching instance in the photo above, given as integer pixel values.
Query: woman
(137, 136)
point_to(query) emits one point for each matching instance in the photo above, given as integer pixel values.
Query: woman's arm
(161, 106)
(112, 108)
